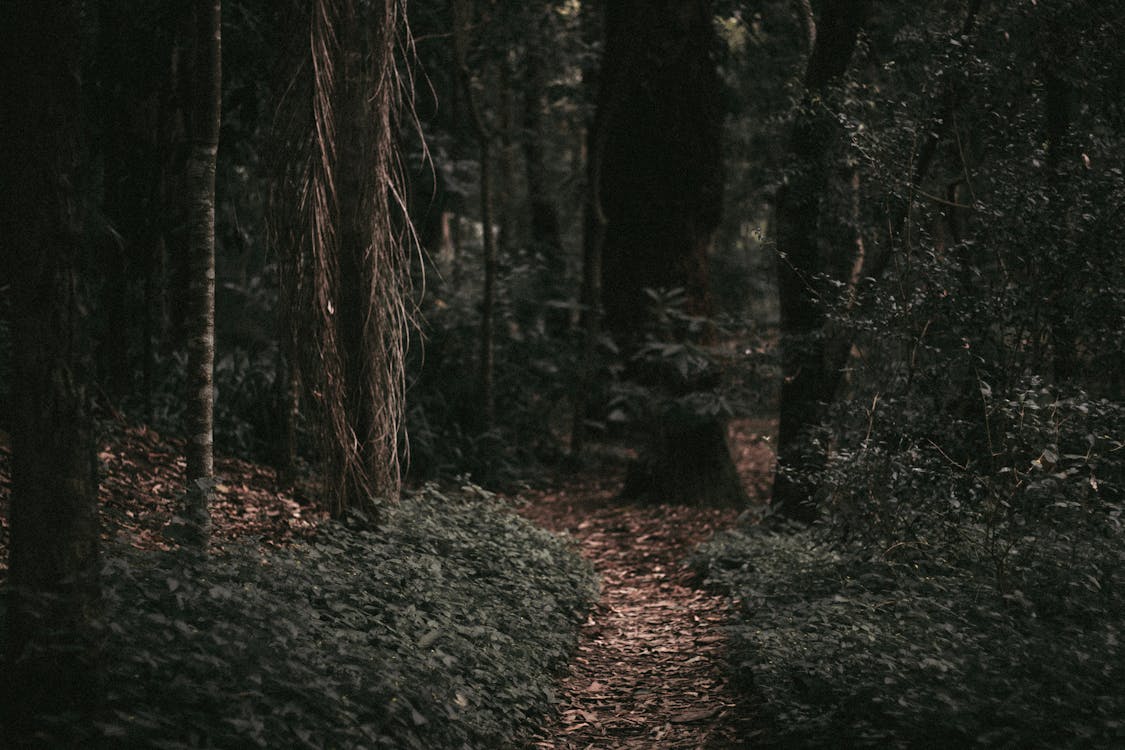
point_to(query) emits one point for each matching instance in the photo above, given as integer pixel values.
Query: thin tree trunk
(51, 660)
(808, 20)
(591, 292)
(488, 294)
(878, 255)
(200, 184)
(546, 237)
(1058, 116)
(462, 18)
(289, 402)
(117, 235)
(593, 240)
(508, 230)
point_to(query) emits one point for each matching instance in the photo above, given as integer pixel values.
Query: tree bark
(200, 187)
(462, 19)
(661, 180)
(546, 234)
(345, 275)
(805, 382)
(658, 188)
(51, 660)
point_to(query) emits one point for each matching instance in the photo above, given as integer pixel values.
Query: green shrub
(844, 649)
(443, 627)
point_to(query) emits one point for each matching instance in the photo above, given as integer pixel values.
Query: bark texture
(51, 659)
(200, 181)
(658, 130)
(462, 21)
(655, 203)
(343, 261)
(806, 382)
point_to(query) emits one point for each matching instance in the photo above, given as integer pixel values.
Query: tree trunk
(1064, 337)
(289, 403)
(661, 180)
(593, 239)
(687, 461)
(462, 20)
(200, 187)
(813, 355)
(591, 291)
(805, 382)
(51, 659)
(546, 234)
(345, 275)
(657, 132)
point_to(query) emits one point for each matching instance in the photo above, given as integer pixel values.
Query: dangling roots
(339, 222)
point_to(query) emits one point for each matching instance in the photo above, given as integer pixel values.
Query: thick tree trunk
(661, 180)
(344, 272)
(659, 190)
(51, 660)
(200, 183)
(357, 274)
(806, 383)
(687, 461)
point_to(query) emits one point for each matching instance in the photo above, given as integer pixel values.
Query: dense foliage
(444, 626)
(965, 455)
(847, 649)
(964, 582)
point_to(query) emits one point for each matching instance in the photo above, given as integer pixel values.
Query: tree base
(687, 463)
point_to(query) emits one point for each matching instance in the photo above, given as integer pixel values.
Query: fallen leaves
(142, 477)
(649, 668)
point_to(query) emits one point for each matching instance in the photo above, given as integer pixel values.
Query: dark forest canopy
(372, 243)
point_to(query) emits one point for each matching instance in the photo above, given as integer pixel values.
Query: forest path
(649, 671)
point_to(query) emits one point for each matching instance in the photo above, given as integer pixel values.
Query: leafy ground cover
(444, 626)
(845, 650)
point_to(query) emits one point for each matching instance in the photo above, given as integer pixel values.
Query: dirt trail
(649, 672)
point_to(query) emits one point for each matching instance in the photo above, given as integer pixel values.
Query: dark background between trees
(894, 227)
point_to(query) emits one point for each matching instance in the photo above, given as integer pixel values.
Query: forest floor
(650, 669)
(141, 480)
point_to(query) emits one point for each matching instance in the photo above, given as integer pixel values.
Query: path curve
(649, 671)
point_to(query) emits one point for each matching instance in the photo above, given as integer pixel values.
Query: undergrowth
(443, 627)
(844, 649)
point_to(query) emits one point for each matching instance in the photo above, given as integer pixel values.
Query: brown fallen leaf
(690, 717)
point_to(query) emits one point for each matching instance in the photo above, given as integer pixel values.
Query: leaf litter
(141, 480)
(650, 670)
